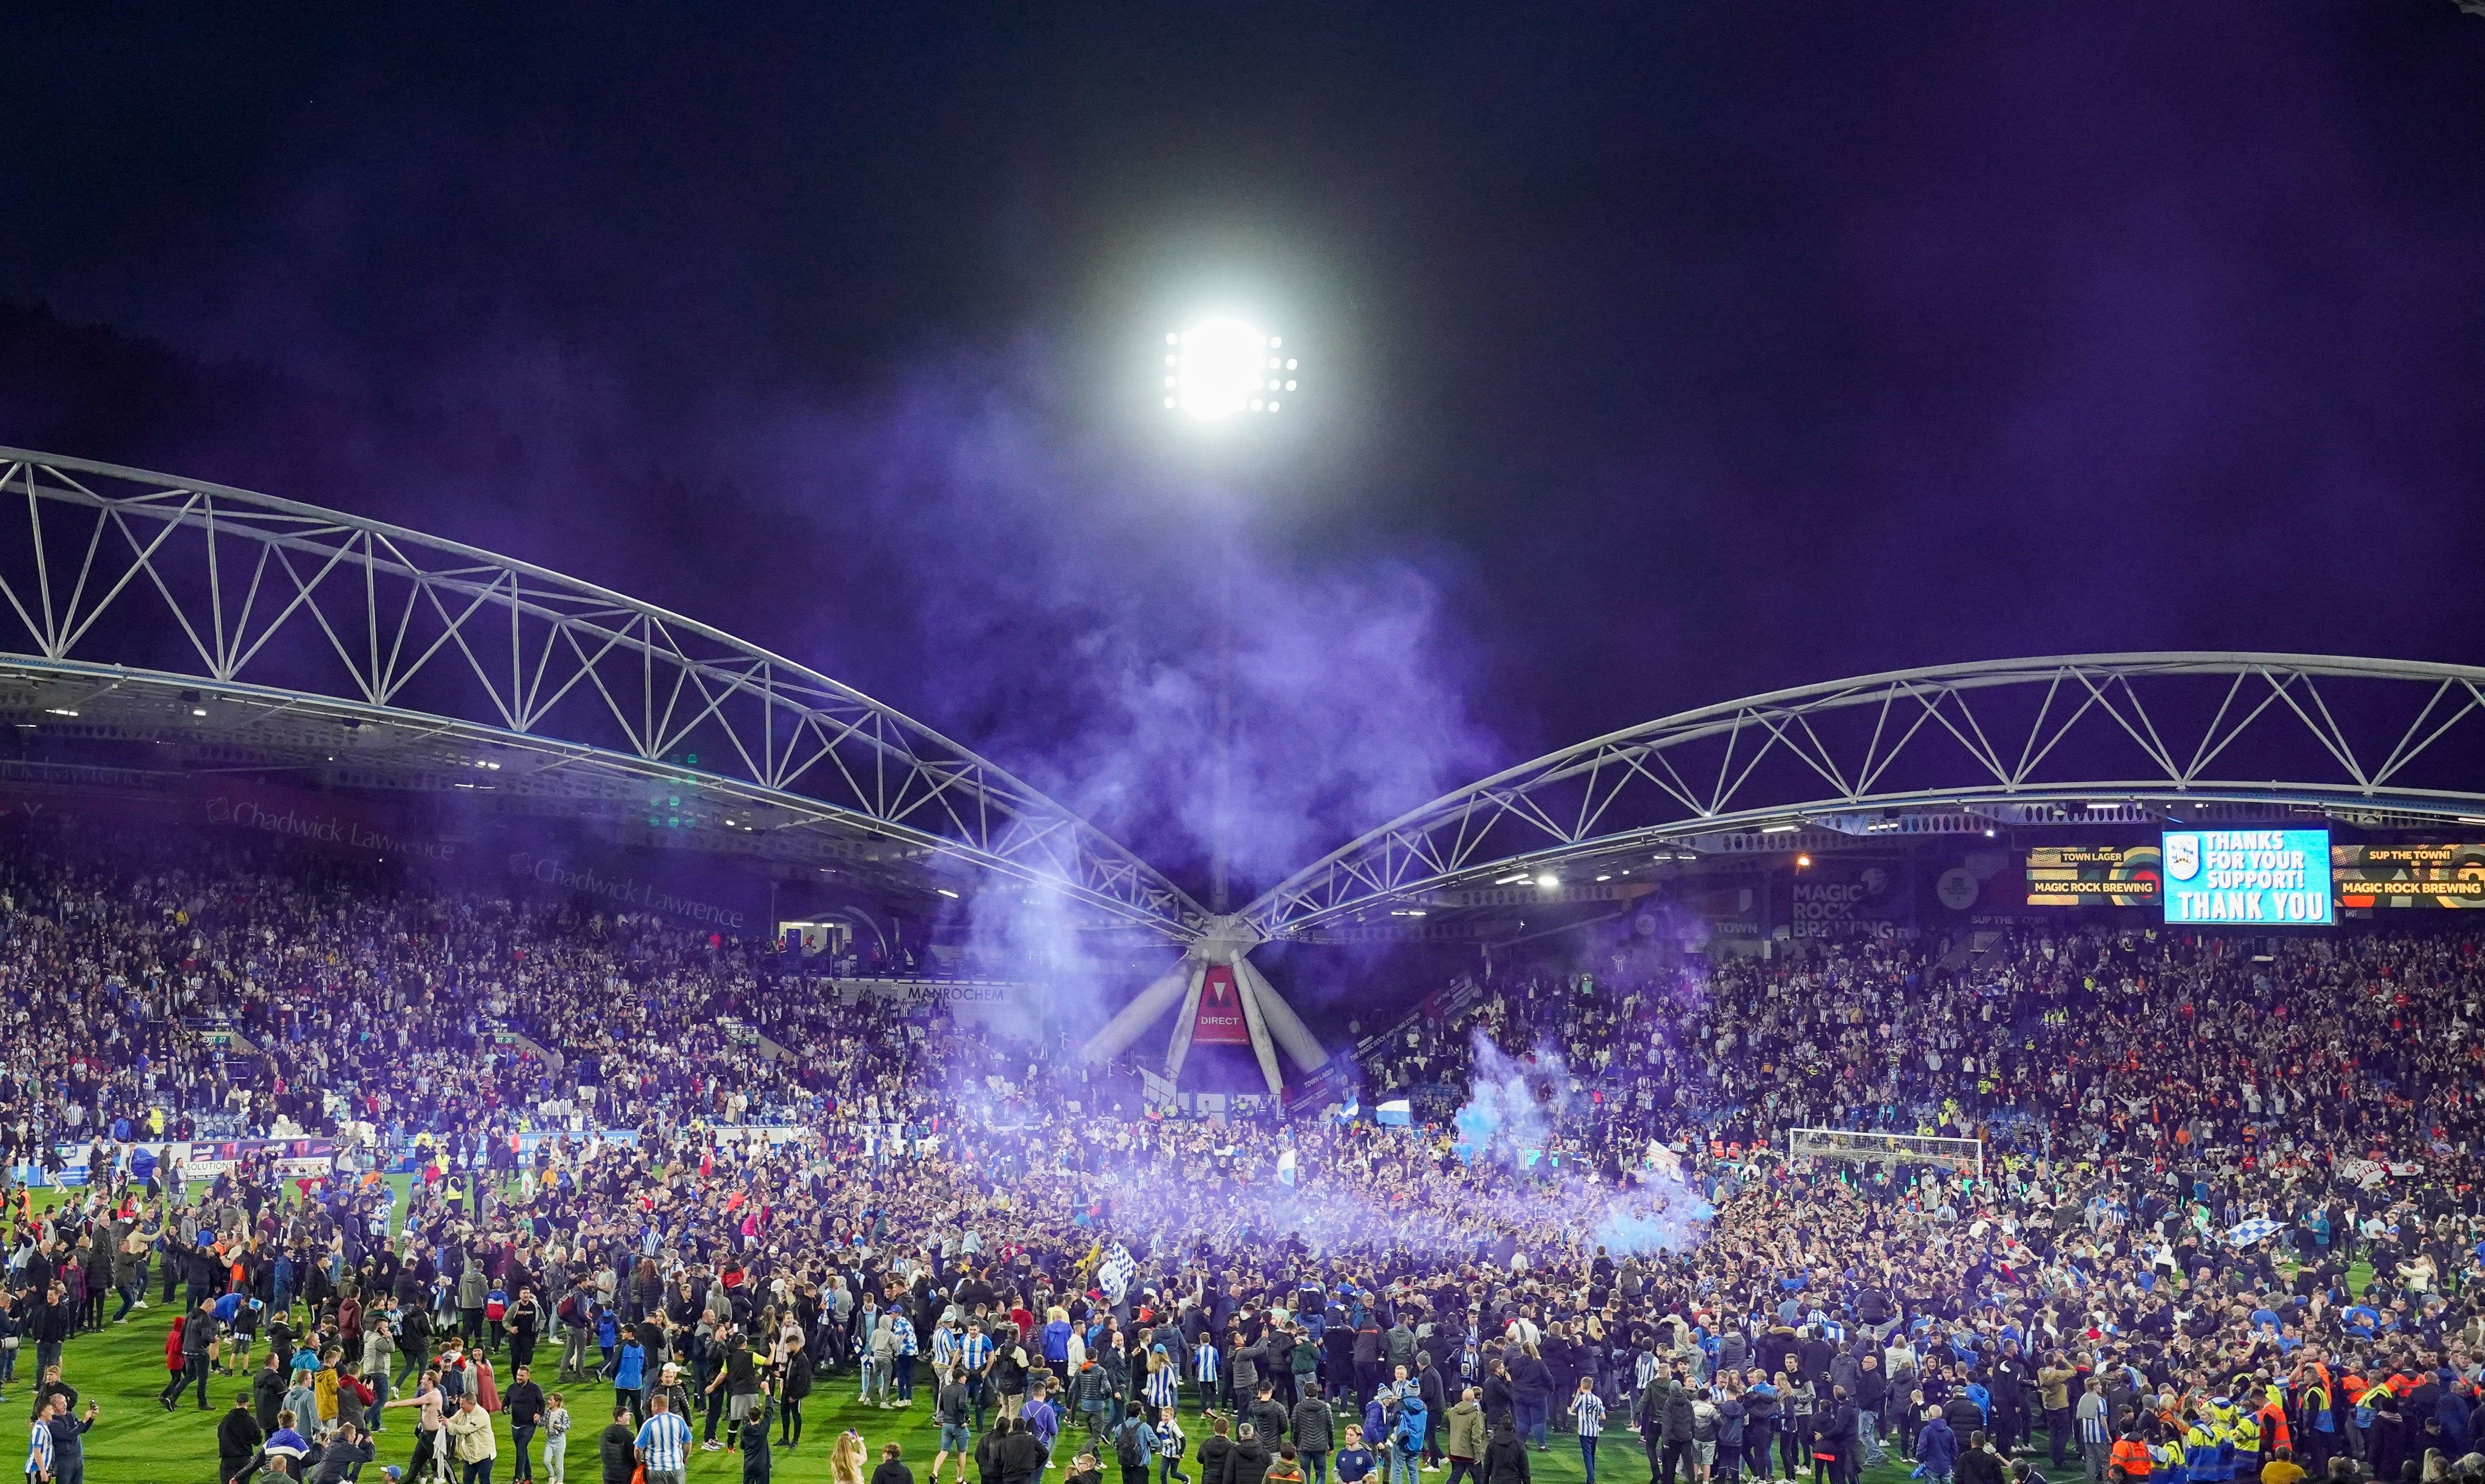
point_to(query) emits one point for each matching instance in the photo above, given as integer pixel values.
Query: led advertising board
(2408, 874)
(2092, 875)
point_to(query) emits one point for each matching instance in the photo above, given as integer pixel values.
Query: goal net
(1964, 1155)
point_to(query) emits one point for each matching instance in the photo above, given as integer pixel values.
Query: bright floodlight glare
(1221, 368)
(1548, 881)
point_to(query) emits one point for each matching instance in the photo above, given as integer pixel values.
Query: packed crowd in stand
(2190, 1141)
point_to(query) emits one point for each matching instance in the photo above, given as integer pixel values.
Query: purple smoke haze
(1503, 1121)
(1677, 354)
(1510, 1120)
(1065, 606)
(1066, 602)
(1732, 353)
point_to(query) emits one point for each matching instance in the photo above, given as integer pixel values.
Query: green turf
(137, 1443)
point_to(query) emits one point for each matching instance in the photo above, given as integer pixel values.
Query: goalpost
(1965, 1155)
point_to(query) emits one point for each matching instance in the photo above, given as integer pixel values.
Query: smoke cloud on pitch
(1065, 607)
(1511, 1121)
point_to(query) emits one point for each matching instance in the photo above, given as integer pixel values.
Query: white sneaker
(141, 1303)
(712, 1447)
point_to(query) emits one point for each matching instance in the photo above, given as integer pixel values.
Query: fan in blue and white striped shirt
(664, 1443)
(1163, 1384)
(38, 1452)
(1590, 1410)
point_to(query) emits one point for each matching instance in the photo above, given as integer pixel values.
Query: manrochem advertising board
(2274, 878)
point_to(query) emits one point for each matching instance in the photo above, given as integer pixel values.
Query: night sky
(1655, 355)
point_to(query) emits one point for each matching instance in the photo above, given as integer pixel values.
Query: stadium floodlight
(1223, 368)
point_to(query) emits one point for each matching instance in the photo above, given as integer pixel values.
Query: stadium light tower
(1221, 371)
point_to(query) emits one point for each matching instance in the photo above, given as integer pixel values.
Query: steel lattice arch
(250, 628)
(1955, 749)
(245, 631)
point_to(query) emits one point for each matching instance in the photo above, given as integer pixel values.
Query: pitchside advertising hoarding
(2277, 878)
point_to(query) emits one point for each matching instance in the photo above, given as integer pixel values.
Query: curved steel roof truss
(173, 579)
(2317, 732)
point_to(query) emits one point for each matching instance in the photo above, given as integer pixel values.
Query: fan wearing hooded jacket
(1505, 1458)
(1248, 1462)
(1407, 1440)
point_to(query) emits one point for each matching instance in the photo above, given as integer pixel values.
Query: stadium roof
(1971, 748)
(168, 626)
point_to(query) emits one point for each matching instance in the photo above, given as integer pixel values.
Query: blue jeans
(1401, 1466)
(1588, 1456)
(1530, 1417)
(1868, 1426)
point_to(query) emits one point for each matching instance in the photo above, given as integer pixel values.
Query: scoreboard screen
(2251, 878)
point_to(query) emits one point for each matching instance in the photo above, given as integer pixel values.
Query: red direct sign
(1219, 1021)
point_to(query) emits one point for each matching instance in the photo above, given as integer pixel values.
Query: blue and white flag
(1113, 1276)
(2249, 1233)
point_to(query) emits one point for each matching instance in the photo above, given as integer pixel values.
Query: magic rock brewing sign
(2409, 875)
(1219, 1021)
(2092, 875)
(1848, 901)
